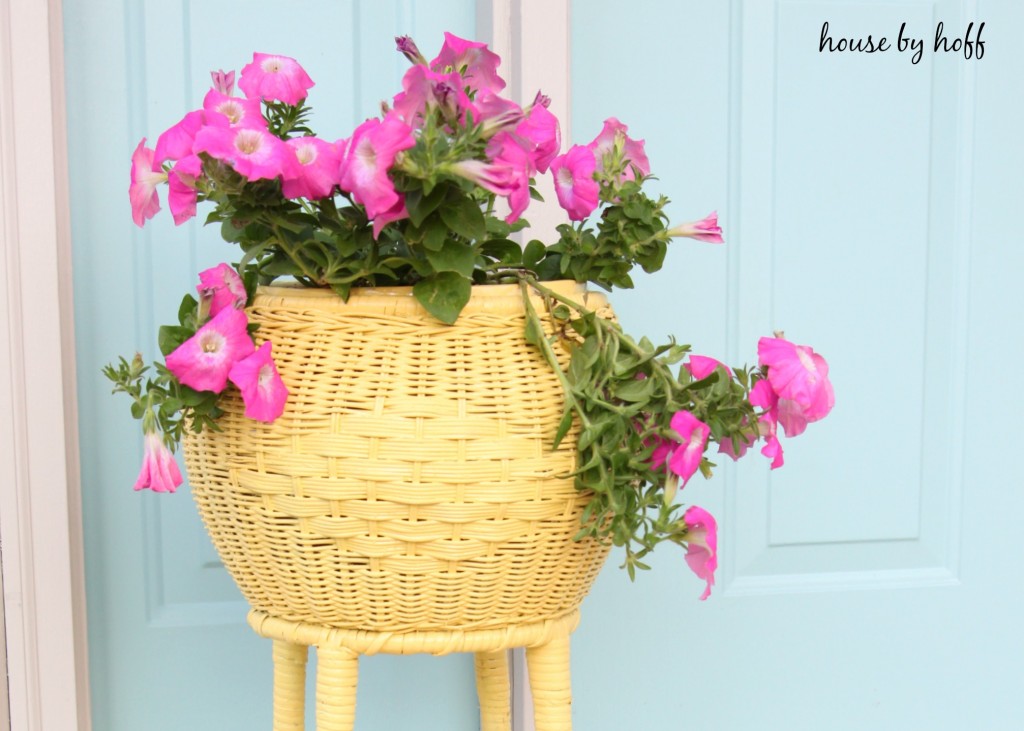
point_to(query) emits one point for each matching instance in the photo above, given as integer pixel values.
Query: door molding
(40, 506)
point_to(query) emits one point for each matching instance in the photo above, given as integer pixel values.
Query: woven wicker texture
(410, 483)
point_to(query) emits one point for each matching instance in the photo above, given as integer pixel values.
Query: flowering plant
(410, 199)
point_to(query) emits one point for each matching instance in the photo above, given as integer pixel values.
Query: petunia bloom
(541, 128)
(701, 546)
(317, 171)
(575, 187)
(222, 285)
(176, 142)
(224, 82)
(764, 397)
(142, 189)
(424, 90)
(159, 471)
(614, 133)
(706, 229)
(236, 111)
(683, 457)
(701, 366)
(476, 64)
(274, 78)
(253, 153)
(407, 47)
(204, 360)
(505, 151)
(182, 194)
(263, 391)
(371, 152)
(800, 376)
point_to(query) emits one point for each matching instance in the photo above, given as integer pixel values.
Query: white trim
(533, 39)
(40, 515)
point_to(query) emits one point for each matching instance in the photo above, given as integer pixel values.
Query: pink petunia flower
(800, 376)
(541, 128)
(425, 90)
(159, 471)
(224, 288)
(396, 213)
(263, 391)
(473, 61)
(633, 150)
(368, 157)
(181, 188)
(236, 111)
(683, 457)
(701, 366)
(176, 142)
(706, 229)
(274, 78)
(496, 114)
(253, 153)
(701, 546)
(224, 82)
(504, 150)
(762, 396)
(407, 47)
(726, 447)
(144, 179)
(317, 170)
(205, 359)
(575, 187)
(498, 179)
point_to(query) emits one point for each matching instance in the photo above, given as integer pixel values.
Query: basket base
(338, 650)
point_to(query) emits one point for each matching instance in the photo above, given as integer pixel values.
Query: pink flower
(224, 288)
(800, 376)
(263, 391)
(496, 114)
(176, 142)
(575, 186)
(425, 90)
(396, 213)
(205, 359)
(223, 82)
(181, 188)
(237, 112)
(159, 471)
(142, 189)
(701, 366)
(407, 47)
(505, 151)
(541, 128)
(763, 397)
(274, 78)
(473, 61)
(317, 170)
(498, 179)
(701, 545)
(726, 447)
(706, 229)
(370, 153)
(683, 457)
(254, 153)
(633, 150)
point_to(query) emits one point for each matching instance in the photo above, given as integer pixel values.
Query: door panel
(857, 583)
(169, 646)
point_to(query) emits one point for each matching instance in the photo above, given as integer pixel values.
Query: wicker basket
(410, 483)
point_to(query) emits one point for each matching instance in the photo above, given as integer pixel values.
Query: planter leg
(492, 688)
(289, 686)
(548, 667)
(337, 669)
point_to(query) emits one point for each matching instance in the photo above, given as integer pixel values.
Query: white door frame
(40, 507)
(42, 566)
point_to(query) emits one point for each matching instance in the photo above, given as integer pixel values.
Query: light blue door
(871, 209)
(169, 647)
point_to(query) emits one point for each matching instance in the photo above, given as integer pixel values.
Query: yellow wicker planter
(408, 500)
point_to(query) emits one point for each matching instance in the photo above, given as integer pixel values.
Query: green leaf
(504, 250)
(171, 336)
(533, 253)
(186, 308)
(453, 257)
(638, 390)
(563, 427)
(443, 295)
(463, 216)
(435, 234)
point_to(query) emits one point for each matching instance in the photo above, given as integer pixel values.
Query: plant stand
(338, 651)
